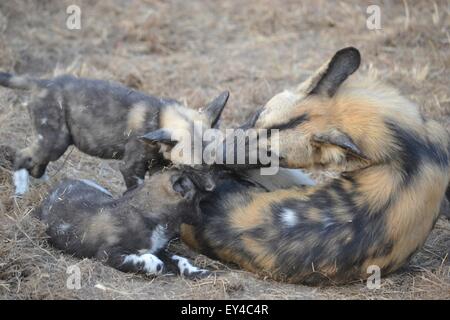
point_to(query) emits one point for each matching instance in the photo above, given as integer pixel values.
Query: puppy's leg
(30, 161)
(23, 163)
(23, 171)
(131, 262)
(174, 264)
(52, 140)
(136, 161)
(146, 263)
(187, 269)
(21, 181)
(133, 172)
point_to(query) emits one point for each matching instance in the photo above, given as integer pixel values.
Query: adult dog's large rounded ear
(163, 136)
(327, 79)
(214, 109)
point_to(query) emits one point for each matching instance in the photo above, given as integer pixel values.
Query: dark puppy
(130, 233)
(102, 119)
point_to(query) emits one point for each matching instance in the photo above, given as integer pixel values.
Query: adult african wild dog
(102, 119)
(129, 233)
(394, 168)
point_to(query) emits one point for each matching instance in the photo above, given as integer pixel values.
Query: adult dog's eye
(291, 123)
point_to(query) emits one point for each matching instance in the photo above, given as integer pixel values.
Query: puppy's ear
(214, 109)
(202, 177)
(184, 186)
(190, 181)
(163, 136)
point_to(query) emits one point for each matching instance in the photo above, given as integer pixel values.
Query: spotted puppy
(129, 233)
(102, 119)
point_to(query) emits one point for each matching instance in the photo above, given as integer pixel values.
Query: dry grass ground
(192, 50)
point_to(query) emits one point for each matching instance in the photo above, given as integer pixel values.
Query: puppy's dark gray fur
(129, 233)
(102, 119)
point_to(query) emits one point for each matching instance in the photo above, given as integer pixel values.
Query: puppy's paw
(188, 270)
(147, 263)
(21, 181)
(198, 275)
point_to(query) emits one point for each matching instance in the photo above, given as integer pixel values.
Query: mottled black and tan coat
(394, 166)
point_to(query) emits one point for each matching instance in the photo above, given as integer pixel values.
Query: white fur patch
(62, 228)
(44, 121)
(186, 268)
(285, 178)
(21, 181)
(289, 217)
(151, 263)
(158, 239)
(296, 177)
(96, 186)
(328, 222)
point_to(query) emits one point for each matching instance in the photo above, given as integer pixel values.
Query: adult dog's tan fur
(394, 168)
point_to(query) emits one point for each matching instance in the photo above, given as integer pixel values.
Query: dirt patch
(191, 51)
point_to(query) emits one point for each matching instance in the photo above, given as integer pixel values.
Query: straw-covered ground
(192, 50)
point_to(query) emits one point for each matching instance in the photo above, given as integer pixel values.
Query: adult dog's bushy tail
(19, 82)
